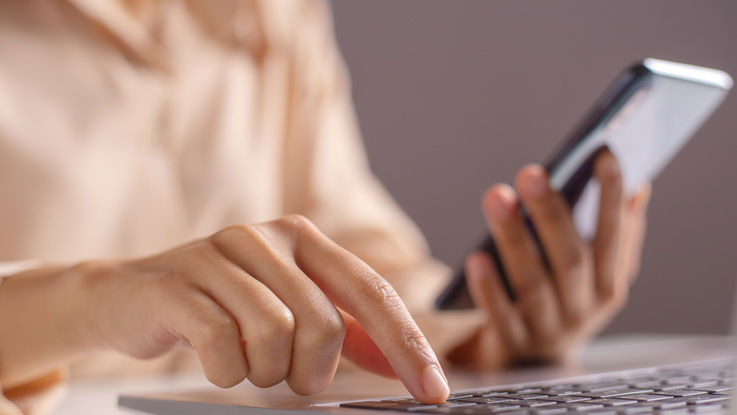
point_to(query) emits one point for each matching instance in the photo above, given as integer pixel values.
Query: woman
(190, 173)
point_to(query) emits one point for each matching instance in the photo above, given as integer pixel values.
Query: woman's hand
(560, 307)
(267, 302)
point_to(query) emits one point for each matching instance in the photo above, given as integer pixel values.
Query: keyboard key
(546, 410)
(719, 389)
(525, 395)
(467, 410)
(487, 399)
(530, 390)
(559, 388)
(673, 411)
(581, 406)
(503, 407)
(704, 384)
(666, 387)
(617, 392)
(708, 409)
(679, 393)
(613, 401)
(667, 404)
(566, 398)
(455, 404)
(647, 397)
(704, 399)
(602, 411)
(679, 380)
(603, 386)
(494, 393)
(635, 409)
(454, 396)
(647, 384)
(562, 392)
(532, 403)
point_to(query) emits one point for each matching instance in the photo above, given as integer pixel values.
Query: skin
(267, 302)
(280, 301)
(557, 309)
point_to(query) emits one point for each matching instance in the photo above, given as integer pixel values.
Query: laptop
(628, 375)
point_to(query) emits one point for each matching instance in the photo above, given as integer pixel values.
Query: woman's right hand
(267, 302)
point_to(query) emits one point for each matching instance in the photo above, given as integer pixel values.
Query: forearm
(44, 322)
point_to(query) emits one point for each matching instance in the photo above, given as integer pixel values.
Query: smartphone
(644, 118)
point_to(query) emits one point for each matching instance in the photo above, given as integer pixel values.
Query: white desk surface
(606, 354)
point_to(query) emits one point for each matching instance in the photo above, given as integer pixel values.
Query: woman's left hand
(560, 307)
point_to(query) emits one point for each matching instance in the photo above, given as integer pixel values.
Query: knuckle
(330, 330)
(274, 348)
(532, 293)
(513, 238)
(550, 209)
(615, 298)
(279, 325)
(414, 341)
(575, 320)
(573, 259)
(379, 291)
(194, 256)
(334, 328)
(296, 222)
(215, 329)
(232, 232)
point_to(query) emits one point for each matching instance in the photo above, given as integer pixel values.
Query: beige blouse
(128, 127)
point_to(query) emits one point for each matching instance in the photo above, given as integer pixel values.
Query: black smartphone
(644, 118)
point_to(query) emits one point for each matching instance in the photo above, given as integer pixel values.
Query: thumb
(361, 350)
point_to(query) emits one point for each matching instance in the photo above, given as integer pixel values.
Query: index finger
(356, 288)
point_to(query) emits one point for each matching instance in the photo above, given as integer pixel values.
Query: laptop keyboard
(701, 388)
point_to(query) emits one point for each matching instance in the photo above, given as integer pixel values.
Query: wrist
(92, 312)
(44, 321)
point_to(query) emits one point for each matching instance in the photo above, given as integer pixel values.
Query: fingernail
(536, 182)
(435, 386)
(502, 204)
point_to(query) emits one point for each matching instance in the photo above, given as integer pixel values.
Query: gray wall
(453, 96)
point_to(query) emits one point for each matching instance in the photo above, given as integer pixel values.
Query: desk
(605, 354)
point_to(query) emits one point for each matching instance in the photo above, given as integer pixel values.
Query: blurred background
(455, 96)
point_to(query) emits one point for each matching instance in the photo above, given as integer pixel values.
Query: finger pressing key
(356, 288)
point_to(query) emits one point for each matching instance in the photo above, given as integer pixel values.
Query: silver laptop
(638, 375)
